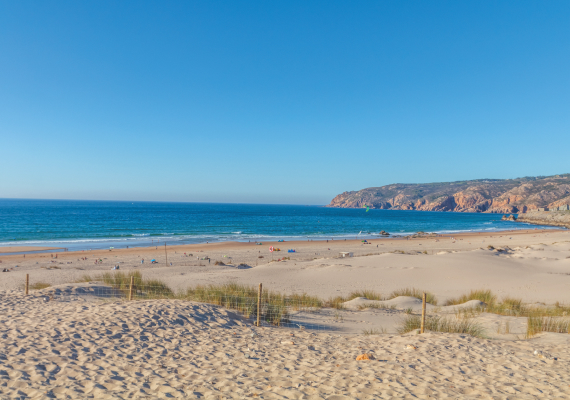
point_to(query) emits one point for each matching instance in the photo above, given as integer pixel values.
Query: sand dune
(72, 340)
(175, 349)
(409, 303)
(532, 265)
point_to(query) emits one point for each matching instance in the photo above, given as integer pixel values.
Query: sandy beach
(171, 349)
(64, 341)
(445, 265)
(23, 249)
(284, 200)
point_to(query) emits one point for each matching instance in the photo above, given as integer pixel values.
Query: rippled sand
(84, 348)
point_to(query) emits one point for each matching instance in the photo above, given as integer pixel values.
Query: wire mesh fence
(257, 306)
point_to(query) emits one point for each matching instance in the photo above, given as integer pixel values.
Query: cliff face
(482, 195)
(554, 218)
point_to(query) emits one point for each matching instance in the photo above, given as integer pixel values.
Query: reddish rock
(504, 196)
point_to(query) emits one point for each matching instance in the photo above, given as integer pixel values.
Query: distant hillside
(482, 195)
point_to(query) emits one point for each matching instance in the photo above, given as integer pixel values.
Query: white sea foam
(137, 240)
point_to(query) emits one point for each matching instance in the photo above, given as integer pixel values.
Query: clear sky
(277, 101)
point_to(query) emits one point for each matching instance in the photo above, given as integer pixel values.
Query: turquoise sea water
(99, 224)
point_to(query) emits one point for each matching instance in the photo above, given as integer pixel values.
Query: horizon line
(167, 201)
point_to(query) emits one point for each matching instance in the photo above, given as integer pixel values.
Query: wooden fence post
(131, 287)
(259, 306)
(423, 313)
(27, 283)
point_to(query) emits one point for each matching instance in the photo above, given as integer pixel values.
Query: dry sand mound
(407, 302)
(176, 349)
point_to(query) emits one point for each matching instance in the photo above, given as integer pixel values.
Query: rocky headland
(506, 196)
(551, 218)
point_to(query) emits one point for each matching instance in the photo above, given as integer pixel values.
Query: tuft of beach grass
(374, 331)
(537, 324)
(39, 285)
(243, 298)
(456, 324)
(510, 306)
(414, 292)
(368, 294)
(486, 296)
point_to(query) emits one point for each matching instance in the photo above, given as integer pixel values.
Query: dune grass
(374, 331)
(243, 298)
(513, 307)
(85, 279)
(459, 323)
(413, 292)
(486, 296)
(276, 306)
(336, 302)
(39, 285)
(369, 294)
(539, 318)
(379, 306)
(537, 324)
(142, 288)
(121, 280)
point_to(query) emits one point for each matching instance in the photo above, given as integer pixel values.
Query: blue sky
(277, 102)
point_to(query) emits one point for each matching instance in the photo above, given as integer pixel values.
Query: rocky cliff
(482, 195)
(554, 218)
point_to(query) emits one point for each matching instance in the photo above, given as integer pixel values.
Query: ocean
(83, 225)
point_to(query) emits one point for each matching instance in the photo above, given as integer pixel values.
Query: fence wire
(272, 309)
